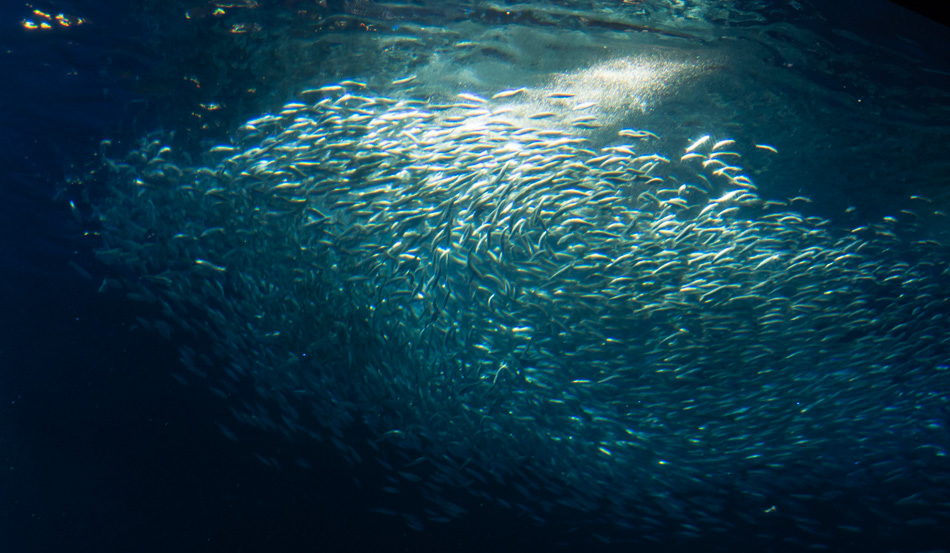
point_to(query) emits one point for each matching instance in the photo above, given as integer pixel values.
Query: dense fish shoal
(501, 299)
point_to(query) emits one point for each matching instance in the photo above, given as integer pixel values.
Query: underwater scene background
(353, 276)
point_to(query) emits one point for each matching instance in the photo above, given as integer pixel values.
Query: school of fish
(520, 315)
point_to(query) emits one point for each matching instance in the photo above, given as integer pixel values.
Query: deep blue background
(99, 449)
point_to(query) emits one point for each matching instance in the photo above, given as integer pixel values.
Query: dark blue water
(102, 450)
